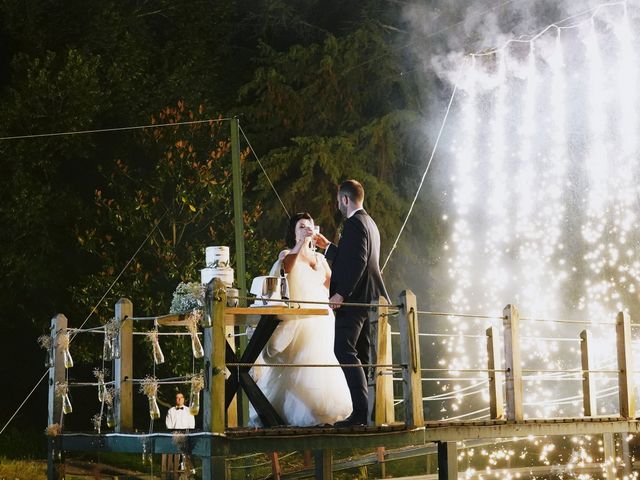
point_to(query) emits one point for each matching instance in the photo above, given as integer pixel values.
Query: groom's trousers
(352, 346)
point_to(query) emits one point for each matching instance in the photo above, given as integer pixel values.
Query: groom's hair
(352, 189)
(290, 236)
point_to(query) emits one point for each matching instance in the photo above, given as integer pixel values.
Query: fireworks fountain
(545, 185)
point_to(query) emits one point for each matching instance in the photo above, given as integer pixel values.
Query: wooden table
(265, 319)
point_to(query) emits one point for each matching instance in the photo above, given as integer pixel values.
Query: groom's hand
(335, 301)
(321, 240)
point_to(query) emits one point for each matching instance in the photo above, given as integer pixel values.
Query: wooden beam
(410, 358)
(447, 461)
(123, 370)
(589, 393)
(626, 390)
(513, 377)
(496, 378)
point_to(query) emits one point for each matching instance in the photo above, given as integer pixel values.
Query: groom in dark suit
(355, 278)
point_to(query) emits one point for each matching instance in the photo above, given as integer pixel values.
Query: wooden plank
(626, 389)
(513, 376)
(410, 355)
(447, 461)
(589, 393)
(496, 379)
(124, 367)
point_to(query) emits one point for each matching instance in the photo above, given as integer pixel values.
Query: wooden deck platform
(246, 440)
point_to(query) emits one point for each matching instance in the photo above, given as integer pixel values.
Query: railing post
(214, 378)
(123, 369)
(56, 370)
(513, 377)
(56, 374)
(609, 456)
(447, 461)
(410, 355)
(625, 366)
(232, 411)
(324, 464)
(380, 384)
(496, 378)
(589, 394)
(215, 353)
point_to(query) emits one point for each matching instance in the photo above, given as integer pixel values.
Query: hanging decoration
(45, 343)
(108, 401)
(111, 347)
(197, 384)
(152, 337)
(96, 420)
(102, 388)
(149, 387)
(62, 390)
(192, 325)
(63, 342)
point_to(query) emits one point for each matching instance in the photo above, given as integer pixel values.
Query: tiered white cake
(217, 261)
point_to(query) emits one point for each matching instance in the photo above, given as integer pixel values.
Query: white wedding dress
(304, 396)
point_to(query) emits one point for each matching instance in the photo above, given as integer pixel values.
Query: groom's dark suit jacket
(355, 261)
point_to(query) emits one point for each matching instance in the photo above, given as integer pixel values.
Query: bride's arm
(292, 256)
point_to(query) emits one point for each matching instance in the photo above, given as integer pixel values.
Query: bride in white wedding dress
(303, 396)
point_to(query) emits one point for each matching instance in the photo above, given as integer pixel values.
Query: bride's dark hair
(290, 236)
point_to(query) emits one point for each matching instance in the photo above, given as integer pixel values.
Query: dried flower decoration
(96, 420)
(45, 342)
(187, 296)
(53, 430)
(149, 386)
(62, 388)
(197, 381)
(109, 396)
(102, 388)
(64, 341)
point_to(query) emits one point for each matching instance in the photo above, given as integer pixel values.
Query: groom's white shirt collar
(354, 212)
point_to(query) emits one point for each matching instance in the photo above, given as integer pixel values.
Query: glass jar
(68, 360)
(111, 419)
(194, 402)
(154, 410)
(66, 404)
(196, 346)
(158, 356)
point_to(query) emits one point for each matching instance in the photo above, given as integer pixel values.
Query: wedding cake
(217, 266)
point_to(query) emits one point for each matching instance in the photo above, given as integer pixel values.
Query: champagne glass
(316, 231)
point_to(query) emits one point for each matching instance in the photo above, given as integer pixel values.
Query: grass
(22, 469)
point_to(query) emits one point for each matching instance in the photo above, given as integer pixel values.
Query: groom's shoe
(353, 420)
